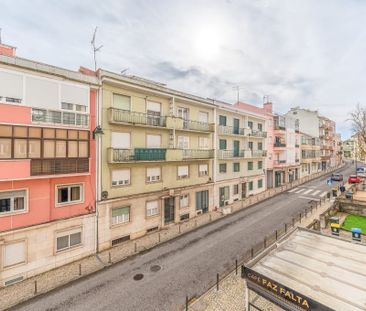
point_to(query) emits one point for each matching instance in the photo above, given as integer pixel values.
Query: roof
(329, 270)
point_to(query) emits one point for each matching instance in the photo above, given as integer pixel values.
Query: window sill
(13, 213)
(69, 203)
(153, 182)
(120, 186)
(68, 249)
(3, 268)
(122, 224)
(152, 216)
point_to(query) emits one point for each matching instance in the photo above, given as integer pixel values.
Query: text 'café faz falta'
(307, 270)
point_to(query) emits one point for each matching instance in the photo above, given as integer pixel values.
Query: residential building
(241, 154)
(310, 155)
(349, 149)
(327, 142)
(156, 157)
(338, 149)
(47, 166)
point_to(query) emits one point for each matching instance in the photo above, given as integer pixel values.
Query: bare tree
(358, 120)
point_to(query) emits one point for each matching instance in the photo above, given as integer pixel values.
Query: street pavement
(188, 264)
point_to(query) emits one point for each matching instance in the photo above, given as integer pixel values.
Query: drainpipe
(215, 155)
(98, 164)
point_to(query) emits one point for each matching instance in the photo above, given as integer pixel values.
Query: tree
(358, 119)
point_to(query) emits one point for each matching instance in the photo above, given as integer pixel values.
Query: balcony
(230, 130)
(255, 153)
(67, 118)
(188, 154)
(279, 145)
(195, 126)
(297, 146)
(297, 160)
(138, 118)
(59, 166)
(279, 163)
(279, 123)
(230, 154)
(258, 134)
(137, 154)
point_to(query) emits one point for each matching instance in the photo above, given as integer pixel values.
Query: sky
(306, 53)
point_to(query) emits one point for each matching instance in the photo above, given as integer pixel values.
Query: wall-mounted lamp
(97, 131)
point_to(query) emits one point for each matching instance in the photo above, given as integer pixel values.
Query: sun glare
(208, 40)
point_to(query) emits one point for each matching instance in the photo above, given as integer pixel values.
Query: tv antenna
(95, 48)
(124, 71)
(237, 88)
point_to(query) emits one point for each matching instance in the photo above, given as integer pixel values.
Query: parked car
(354, 179)
(336, 177)
(361, 172)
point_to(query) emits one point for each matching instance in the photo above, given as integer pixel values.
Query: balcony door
(202, 201)
(236, 147)
(236, 126)
(169, 210)
(184, 114)
(153, 112)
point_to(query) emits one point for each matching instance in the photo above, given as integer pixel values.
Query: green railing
(138, 154)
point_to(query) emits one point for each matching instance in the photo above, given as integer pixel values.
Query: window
(260, 127)
(260, 183)
(235, 189)
(222, 144)
(260, 165)
(183, 142)
(121, 140)
(5, 148)
(120, 215)
(236, 167)
(121, 102)
(250, 166)
(203, 142)
(260, 146)
(121, 177)
(67, 194)
(153, 174)
(202, 201)
(203, 170)
(222, 168)
(222, 120)
(250, 124)
(224, 193)
(184, 200)
(67, 106)
(152, 208)
(60, 148)
(13, 201)
(68, 240)
(250, 145)
(153, 141)
(250, 185)
(14, 253)
(203, 117)
(183, 171)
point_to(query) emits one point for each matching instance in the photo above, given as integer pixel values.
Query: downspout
(215, 155)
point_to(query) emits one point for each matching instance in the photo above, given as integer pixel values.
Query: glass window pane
(75, 193)
(61, 134)
(48, 133)
(39, 115)
(75, 239)
(69, 118)
(35, 132)
(49, 149)
(73, 149)
(83, 149)
(81, 119)
(4, 205)
(20, 131)
(34, 148)
(67, 106)
(62, 196)
(80, 108)
(5, 148)
(73, 134)
(55, 116)
(84, 135)
(60, 149)
(5, 131)
(18, 203)
(62, 242)
(20, 148)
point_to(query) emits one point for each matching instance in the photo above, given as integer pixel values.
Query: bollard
(236, 266)
(265, 242)
(109, 257)
(286, 228)
(136, 244)
(300, 218)
(35, 287)
(79, 268)
(293, 222)
(187, 303)
(276, 235)
(217, 281)
(252, 252)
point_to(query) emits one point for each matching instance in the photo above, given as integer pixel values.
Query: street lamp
(97, 131)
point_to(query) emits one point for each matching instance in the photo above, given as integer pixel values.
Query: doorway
(169, 210)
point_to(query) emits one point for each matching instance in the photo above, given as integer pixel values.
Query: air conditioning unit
(199, 212)
(104, 195)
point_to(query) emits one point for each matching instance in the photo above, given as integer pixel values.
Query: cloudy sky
(307, 53)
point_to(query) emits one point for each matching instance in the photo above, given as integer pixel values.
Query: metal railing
(230, 130)
(260, 134)
(227, 154)
(60, 117)
(277, 144)
(258, 153)
(198, 126)
(59, 166)
(137, 154)
(197, 154)
(279, 162)
(126, 116)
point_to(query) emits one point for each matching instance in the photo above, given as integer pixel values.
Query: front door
(222, 196)
(236, 126)
(236, 145)
(243, 190)
(168, 210)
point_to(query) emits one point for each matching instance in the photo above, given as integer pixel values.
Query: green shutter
(120, 211)
(222, 144)
(121, 102)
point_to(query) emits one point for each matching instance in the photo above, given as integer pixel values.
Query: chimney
(87, 71)
(267, 107)
(6, 49)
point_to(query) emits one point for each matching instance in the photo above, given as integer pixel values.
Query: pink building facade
(47, 166)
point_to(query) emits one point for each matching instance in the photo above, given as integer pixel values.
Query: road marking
(315, 192)
(323, 194)
(308, 198)
(292, 190)
(307, 191)
(299, 191)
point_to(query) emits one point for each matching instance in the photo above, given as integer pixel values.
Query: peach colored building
(47, 166)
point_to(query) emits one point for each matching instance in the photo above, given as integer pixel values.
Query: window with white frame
(203, 117)
(183, 142)
(184, 200)
(152, 208)
(121, 177)
(67, 194)
(203, 142)
(67, 240)
(203, 169)
(120, 215)
(183, 171)
(121, 140)
(153, 174)
(153, 141)
(13, 201)
(14, 253)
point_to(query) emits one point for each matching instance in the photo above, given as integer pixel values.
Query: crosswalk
(308, 192)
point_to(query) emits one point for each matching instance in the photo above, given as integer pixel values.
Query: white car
(361, 172)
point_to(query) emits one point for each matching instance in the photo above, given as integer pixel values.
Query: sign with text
(283, 293)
